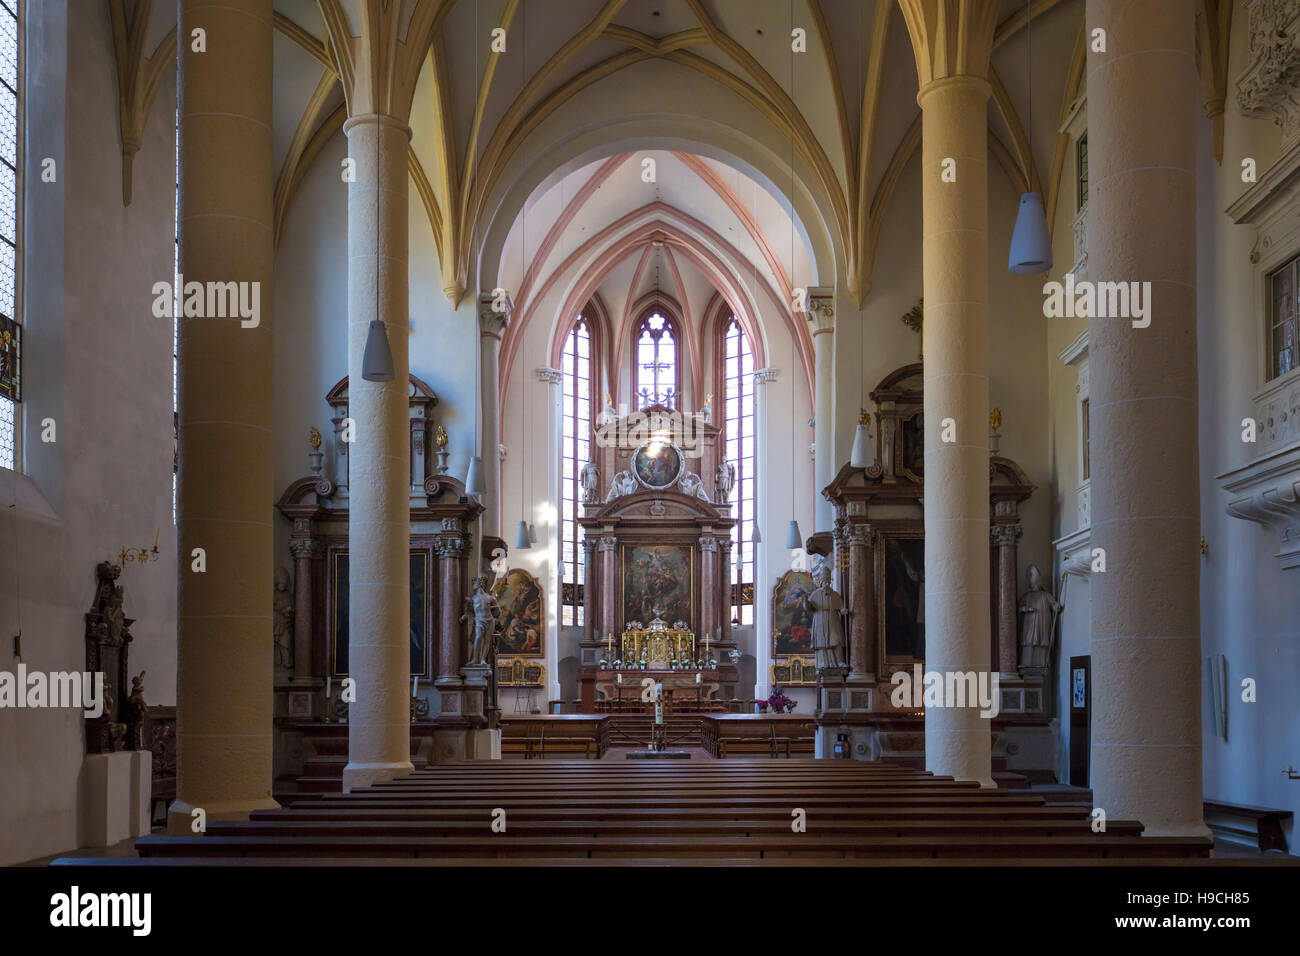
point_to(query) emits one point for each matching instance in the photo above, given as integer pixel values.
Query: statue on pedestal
(827, 608)
(282, 616)
(590, 478)
(482, 607)
(726, 481)
(1040, 610)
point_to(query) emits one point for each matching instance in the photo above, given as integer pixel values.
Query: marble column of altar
(725, 569)
(862, 605)
(590, 592)
(1003, 537)
(609, 596)
(305, 551)
(708, 587)
(452, 549)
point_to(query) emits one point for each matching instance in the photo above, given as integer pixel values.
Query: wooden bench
(1265, 825)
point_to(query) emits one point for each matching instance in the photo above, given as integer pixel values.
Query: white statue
(726, 481)
(692, 484)
(621, 484)
(828, 611)
(590, 478)
(1040, 610)
(483, 609)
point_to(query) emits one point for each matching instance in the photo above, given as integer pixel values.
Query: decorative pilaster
(609, 596)
(306, 551)
(821, 316)
(724, 586)
(708, 585)
(590, 595)
(452, 548)
(492, 324)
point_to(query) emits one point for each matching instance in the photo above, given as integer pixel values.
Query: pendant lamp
(474, 477)
(861, 455)
(377, 360)
(793, 539)
(522, 543)
(1031, 243)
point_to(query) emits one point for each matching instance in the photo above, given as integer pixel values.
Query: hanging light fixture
(474, 477)
(377, 360)
(522, 542)
(793, 539)
(861, 456)
(532, 533)
(1031, 243)
(756, 537)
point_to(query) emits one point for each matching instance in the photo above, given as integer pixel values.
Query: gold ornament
(995, 419)
(440, 437)
(314, 437)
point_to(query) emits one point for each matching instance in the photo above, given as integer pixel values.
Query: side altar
(657, 549)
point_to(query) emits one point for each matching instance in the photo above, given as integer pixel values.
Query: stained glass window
(575, 449)
(656, 361)
(10, 356)
(738, 374)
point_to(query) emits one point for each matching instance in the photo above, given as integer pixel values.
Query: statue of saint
(282, 616)
(590, 478)
(1040, 610)
(726, 481)
(483, 609)
(827, 608)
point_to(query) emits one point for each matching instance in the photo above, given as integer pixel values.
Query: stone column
(1146, 649)
(379, 723)
(708, 589)
(1003, 537)
(609, 596)
(451, 548)
(821, 316)
(590, 591)
(491, 324)
(725, 570)
(305, 551)
(771, 531)
(952, 48)
(862, 618)
(225, 378)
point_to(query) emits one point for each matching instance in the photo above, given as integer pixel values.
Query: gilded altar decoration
(657, 645)
(794, 672)
(140, 555)
(313, 438)
(791, 619)
(522, 632)
(519, 672)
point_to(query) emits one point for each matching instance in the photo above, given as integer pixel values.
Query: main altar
(657, 549)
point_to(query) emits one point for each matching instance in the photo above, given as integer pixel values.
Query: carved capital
(765, 376)
(492, 321)
(821, 310)
(949, 39)
(551, 376)
(304, 548)
(609, 542)
(709, 545)
(589, 546)
(1004, 535)
(859, 535)
(1265, 89)
(451, 546)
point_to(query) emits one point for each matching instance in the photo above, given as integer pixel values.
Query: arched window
(10, 206)
(738, 412)
(656, 361)
(575, 448)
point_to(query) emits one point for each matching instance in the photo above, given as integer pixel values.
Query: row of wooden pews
(733, 811)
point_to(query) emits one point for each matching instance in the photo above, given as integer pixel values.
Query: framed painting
(791, 621)
(900, 582)
(523, 621)
(657, 464)
(337, 568)
(658, 583)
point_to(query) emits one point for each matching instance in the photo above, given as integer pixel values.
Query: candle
(329, 685)
(415, 685)
(698, 677)
(619, 676)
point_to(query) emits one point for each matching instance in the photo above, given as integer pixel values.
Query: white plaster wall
(98, 362)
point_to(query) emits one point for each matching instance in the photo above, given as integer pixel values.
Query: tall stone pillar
(379, 638)
(725, 567)
(491, 324)
(1003, 537)
(764, 574)
(1146, 649)
(609, 596)
(225, 377)
(821, 316)
(862, 605)
(952, 51)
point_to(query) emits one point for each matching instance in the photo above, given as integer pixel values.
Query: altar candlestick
(329, 685)
(698, 677)
(415, 685)
(619, 677)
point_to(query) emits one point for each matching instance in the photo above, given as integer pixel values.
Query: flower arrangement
(779, 703)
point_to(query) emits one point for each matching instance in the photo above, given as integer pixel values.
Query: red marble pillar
(862, 605)
(725, 560)
(305, 551)
(1003, 537)
(452, 550)
(609, 597)
(591, 603)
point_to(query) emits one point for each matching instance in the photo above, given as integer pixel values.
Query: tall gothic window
(575, 448)
(656, 361)
(738, 374)
(10, 326)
